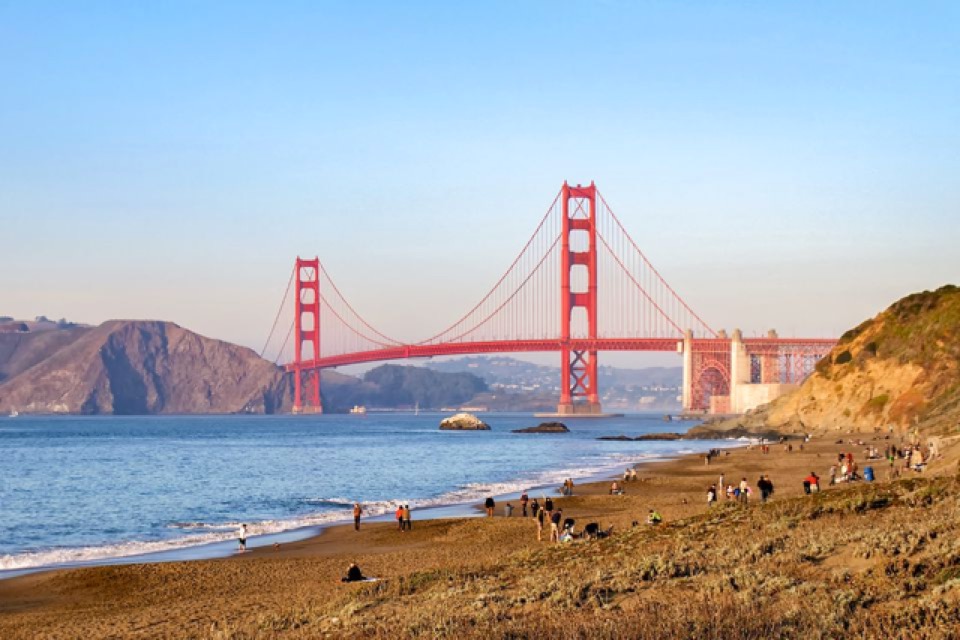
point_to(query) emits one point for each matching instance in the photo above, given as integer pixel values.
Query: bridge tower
(579, 392)
(307, 330)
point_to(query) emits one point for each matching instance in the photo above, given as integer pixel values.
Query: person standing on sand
(508, 510)
(538, 515)
(357, 511)
(766, 488)
(548, 505)
(399, 516)
(242, 537)
(535, 507)
(744, 490)
(720, 485)
(524, 501)
(711, 495)
(489, 505)
(406, 518)
(555, 518)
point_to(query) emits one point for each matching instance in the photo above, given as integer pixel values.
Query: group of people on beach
(402, 514)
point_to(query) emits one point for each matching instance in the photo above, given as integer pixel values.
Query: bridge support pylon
(307, 330)
(579, 392)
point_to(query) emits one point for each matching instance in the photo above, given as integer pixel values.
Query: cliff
(138, 367)
(900, 369)
(153, 367)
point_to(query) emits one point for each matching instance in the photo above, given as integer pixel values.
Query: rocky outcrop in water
(545, 427)
(645, 436)
(463, 422)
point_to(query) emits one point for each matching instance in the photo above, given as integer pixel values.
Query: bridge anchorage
(579, 286)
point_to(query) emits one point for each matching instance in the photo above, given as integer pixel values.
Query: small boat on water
(358, 409)
(14, 413)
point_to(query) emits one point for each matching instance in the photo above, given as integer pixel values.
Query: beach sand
(201, 598)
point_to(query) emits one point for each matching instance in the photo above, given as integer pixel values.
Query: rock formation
(463, 422)
(139, 367)
(897, 371)
(545, 427)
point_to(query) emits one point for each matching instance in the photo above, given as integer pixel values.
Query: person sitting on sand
(811, 484)
(654, 517)
(616, 489)
(353, 574)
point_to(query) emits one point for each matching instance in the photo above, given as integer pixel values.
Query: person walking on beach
(489, 505)
(242, 537)
(357, 511)
(399, 516)
(524, 501)
(744, 491)
(766, 488)
(406, 518)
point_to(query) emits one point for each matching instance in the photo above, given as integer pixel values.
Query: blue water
(76, 489)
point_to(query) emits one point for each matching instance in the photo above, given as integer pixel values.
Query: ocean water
(82, 489)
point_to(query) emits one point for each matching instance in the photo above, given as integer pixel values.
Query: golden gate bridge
(579, 286)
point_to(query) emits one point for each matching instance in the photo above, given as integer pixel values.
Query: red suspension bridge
(579, 286)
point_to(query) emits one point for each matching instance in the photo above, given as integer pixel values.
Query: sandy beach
(207, 598)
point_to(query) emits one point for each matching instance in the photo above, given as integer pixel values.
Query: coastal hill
(152, 367)
(899, 370)
(135, 367)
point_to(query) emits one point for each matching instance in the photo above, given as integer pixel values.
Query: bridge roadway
(401, 352)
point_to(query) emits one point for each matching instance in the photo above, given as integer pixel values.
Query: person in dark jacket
(766, 488)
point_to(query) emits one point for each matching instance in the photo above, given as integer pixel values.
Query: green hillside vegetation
(922, 329)
(897, 371)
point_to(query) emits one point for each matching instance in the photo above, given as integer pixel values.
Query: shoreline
(469, 508)
(193, 597)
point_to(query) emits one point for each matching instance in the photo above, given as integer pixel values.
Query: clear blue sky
(792, 165)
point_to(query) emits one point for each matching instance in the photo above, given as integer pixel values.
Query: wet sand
(198, 598)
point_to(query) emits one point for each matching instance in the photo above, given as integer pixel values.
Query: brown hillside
(899, 370)
(136, 367)
(20, 351)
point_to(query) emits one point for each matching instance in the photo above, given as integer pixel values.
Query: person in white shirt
(242, 537)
